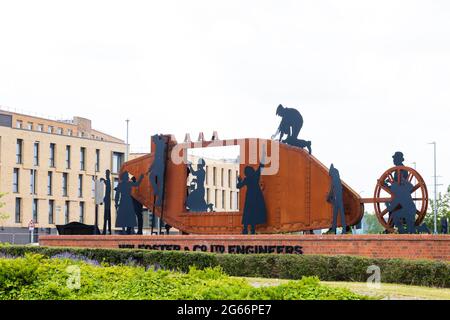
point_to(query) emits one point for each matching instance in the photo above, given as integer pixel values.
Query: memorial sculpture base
(435, 247)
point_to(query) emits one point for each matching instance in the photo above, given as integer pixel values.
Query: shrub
(326, 268)
(37, 278)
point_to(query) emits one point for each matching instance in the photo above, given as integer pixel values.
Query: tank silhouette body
(295, 195)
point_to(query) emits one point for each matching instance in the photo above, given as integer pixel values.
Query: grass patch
(394, 291)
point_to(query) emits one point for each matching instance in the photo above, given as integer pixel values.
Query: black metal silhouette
(138, 209)
(195, 201)
(402, 207)
(167, 227)
(126, 216)
(255, 211)
(291, 124)
(335, 197)
(156, 172)
(423, 228)
(398, 159)
(107, 203)
(444, 225)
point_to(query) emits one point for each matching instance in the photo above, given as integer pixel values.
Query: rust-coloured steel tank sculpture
(295, 192)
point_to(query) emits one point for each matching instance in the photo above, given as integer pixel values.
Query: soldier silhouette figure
(107, 203)
(158, 167)
(195, 201)
(126, 216)
(138, 208)
(335, 197)
(255, 208)
(398, 161)
(402, 206)
(291, 124)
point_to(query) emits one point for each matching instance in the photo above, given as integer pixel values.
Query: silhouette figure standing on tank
(195, 201)
(107, 203)
(335, 197)
(402, 206)
(126, 216)
(255, 208)
(138, 208)
(291, 124)
(157, 169)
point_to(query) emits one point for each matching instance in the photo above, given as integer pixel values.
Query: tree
(443, 206)
(371, 224)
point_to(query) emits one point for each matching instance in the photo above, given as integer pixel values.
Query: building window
(115, 184)
(50, 183)
(66, 212)
(231, 200)
(59, 131)
(222, 177)
(36, 154)
(30, 126)
(50, 129)
(93, 186)
(80, 186)
(51, 159)
(64, 184)
(40, 128)
(19, 124)
(214, 176)
(223, 199)
(216, 198)
(16, 180)
(18, 210)
(237, 200)
(67, 157)
(81, 212)
(51, 211)
(33, 181)
(69, 132)
(207, 175)
(117, 160)
(19, 149)
(229, 178)
(82, 158)
(35, 210)
(207, 196)
(97, 160)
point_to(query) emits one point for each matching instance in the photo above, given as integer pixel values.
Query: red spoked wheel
(384, 194)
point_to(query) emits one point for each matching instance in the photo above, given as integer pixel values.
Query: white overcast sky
(369, 77)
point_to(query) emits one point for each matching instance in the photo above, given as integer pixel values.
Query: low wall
(436, 247)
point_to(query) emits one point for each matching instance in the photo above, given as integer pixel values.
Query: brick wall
(376, 246)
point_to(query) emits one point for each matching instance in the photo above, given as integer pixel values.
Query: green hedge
(35, 277)
(327, 268)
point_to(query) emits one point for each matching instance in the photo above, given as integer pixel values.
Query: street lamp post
(415, 180)
(435, 188)
(128, 146)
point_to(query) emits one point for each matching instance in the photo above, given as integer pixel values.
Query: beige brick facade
(75, 134)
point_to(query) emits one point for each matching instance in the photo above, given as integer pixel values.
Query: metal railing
(18, 238)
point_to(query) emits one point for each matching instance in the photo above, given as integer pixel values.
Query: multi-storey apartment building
(48, 170)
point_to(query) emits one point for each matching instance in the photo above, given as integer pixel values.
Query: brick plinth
(374, 246)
